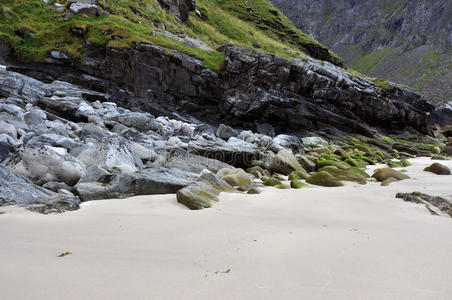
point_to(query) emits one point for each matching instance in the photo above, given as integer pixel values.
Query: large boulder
(323, 178)
(438, 169)
(153, 181)
(225, 132)
(235, 177)
(204, 192)
(43, 163)
(113, 154)
(18, 190)
(345, 175)
(194, 163)
(285, 163)
(385, 173)
(235, 152)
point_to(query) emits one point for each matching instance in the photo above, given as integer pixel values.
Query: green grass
(34, 30)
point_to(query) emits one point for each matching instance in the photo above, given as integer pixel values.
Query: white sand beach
(352, 242)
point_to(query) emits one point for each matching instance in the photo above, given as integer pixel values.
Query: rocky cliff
(408, 42)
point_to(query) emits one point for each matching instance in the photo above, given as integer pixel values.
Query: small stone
(438, 169)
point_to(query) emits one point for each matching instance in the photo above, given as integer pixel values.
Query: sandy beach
(352, 242)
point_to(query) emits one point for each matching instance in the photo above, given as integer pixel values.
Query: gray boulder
(225, 132)
(94, 174)
(194, 163)
(204, 192)
(17, 190)
(285, 163)
(42, 163)
(113, 154)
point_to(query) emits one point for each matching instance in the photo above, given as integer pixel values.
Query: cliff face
(408, 42)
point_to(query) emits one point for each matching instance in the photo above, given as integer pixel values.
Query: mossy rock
(258, 171)
(297, 184)
(440, 157)
(345, 175)
(271, 181)
(235, 177)
(293, 176)
(254, 191)
(384, 173)
(282, 186)
(302, 174)
(323, 178)
(388, 181)
(285, 162)
(438, 169)
(435, 150)
(338, 164)
(359, 171)
(398, 164)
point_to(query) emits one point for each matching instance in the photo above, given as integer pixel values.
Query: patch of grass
(35, 28)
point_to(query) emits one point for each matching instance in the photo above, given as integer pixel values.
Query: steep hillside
(408, 42)
(35, 28)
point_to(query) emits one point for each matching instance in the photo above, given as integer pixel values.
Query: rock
(405, 148)
(153, 181)
(436, 205)
(235, 177)
(271, 181)
(285, 162)
(302, 174)
(297, 184)
(180, 9)
(8, 129)
(398, 164)
(338, 164)
(284, 141)
(17, 190)
(43, 163)
(55, 140)
(88, 191)
(81, 7)
(225, 132)
(140, 121)
(254, 191)
(5, 148)
(344, 175)
(258, 172)
(314, 141)
(305, 162)
(282, 186)
(266, 129)
(194, 163)
(56, 186)
(384, 173)
(388, 181)
(323, 178)
(112, 154)
(438, 169)
(94, 174)
(235, 152)
(204, 192)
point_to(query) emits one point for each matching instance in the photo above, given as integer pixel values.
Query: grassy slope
(34, 30)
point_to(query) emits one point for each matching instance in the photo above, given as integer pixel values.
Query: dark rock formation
(436, 205)
(180, 9)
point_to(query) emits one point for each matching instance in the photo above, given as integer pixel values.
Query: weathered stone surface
(385, 173)
(436, 205)
(225, 132)
(345, 175)
(235, 177)
(204, 192)
(113, 154)
(438, 169)
(323, 178)
(285, 162)
(15, 189)
(42, 163)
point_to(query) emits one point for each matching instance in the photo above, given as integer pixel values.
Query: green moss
(282, 186)
(436, 150)
(297, 184)
(323, 178)
(271, 181)
(346, 175)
